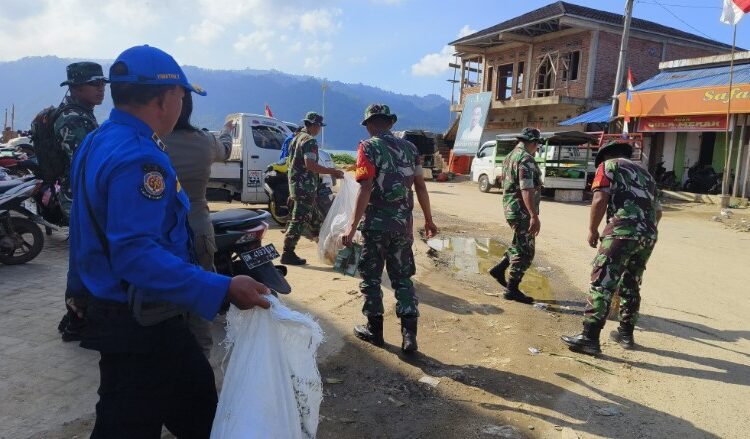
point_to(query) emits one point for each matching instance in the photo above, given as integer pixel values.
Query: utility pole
(623, 59)
(324, 86)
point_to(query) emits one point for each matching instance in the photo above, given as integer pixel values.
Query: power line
(675, 5)
(683, 21)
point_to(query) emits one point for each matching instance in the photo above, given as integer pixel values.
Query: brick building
(558, 61)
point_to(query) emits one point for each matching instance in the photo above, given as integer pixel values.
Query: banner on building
(690, 101)
(471, 126)
(682, 124)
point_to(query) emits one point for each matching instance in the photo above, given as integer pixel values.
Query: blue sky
(399, 45)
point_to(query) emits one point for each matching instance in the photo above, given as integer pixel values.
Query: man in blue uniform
(131, 255)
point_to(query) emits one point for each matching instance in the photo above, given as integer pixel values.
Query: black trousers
(150, 377)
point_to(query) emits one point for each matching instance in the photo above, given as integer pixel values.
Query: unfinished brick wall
(497, 59)
(569, 43)
(577, 42)
(644, 57)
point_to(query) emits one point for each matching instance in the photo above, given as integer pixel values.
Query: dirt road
(690, 377)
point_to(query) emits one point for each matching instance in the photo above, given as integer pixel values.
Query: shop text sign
(696, 101)
(683, 123)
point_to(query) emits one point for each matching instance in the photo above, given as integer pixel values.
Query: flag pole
(728, 142)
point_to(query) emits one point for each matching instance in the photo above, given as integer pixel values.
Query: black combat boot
(513, 293)
(372, 331)
(586, 342)
(498, 271)
(409, 334)
(624, 335)
(289, 257)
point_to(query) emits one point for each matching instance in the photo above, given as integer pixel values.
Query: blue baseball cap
(151, 66)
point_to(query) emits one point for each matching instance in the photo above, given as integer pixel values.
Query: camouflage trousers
(394, 251)
(521, 250)
(618, 266)
(304, 214)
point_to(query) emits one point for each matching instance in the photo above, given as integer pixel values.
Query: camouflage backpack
(49, 153)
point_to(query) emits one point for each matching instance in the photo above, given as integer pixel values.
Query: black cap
(84, 72)
(622, 148)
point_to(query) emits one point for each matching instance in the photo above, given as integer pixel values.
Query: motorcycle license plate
(259, 256)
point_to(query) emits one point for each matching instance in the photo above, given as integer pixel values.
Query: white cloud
(434, 64)
(320, 20)
(387, 2)
(465, 31)
(208, 33)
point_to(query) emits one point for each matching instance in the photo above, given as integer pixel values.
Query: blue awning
(597, 115)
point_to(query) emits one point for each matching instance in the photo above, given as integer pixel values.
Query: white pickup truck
(256, 143)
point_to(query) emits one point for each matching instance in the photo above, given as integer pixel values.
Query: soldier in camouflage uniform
(521, 197)
(387, 169)
(304, 179)
(86, 84)
(628, 195)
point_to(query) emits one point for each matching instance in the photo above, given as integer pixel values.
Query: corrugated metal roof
(597, 115)
(560, 8)
(705, 77)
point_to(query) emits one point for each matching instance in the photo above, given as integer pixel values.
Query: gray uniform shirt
(191, 154)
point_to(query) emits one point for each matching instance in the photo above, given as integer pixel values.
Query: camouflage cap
(378, 110)
(84, 72)
(614, 147)
(530, 135)
(314, 118)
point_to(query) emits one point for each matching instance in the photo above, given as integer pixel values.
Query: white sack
(272, 387)
(337, 221)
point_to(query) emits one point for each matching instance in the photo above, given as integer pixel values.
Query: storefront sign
(682, 123)
(693, 101)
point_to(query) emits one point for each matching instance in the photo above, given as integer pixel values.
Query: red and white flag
(734, 10)
(268, 111)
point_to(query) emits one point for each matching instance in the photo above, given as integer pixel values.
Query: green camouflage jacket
(633, 199)
(71, 127)
(392, 164)
(303, 183)
(520, 172)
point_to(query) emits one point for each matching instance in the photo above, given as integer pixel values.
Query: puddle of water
(479, 255)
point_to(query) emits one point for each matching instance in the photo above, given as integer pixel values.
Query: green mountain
(33, 83)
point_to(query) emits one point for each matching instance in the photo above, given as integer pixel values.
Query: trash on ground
(430, 381)
(607, 411)
(334, 381)
(396, 401)
(541, 306)
(507, 431)
(534, 351)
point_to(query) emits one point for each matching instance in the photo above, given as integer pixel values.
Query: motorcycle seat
(237, 218)
(10, 184)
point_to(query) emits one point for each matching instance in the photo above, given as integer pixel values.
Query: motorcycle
(702, 179)
(276, 185)
(238, 234)
(665, 179)
(21, 239)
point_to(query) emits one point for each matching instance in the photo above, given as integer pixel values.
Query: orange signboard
(687, 102)
(666, 124)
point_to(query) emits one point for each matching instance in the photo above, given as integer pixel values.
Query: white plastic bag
(272, 387)
(337, 221)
